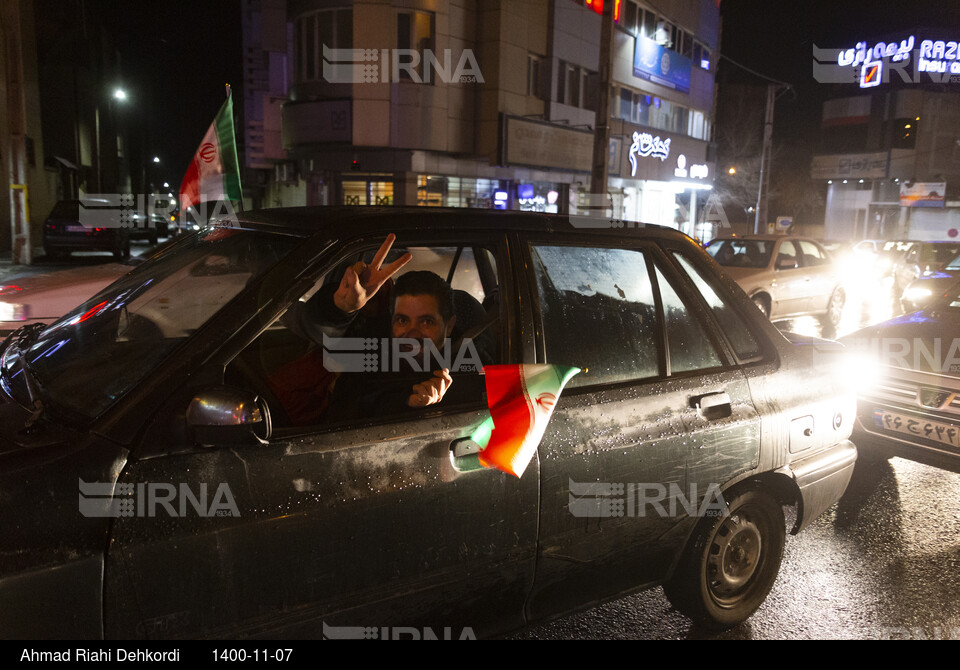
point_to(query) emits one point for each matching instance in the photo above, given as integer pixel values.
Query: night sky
(176, 57)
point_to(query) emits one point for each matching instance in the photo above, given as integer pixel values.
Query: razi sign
(928, 57)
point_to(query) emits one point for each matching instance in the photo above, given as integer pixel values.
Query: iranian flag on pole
(214, 173)
(521, 400)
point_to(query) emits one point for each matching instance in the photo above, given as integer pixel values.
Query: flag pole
(229, 93)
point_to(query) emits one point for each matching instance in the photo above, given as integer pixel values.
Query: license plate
(76, 229)
(936, 431)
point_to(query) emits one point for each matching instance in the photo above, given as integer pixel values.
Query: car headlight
(915, 293)
(12, 311)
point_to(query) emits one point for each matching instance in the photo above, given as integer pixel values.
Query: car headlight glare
(11, 311)
(914, 293)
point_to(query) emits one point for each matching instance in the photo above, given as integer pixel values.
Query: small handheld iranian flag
(521, 400)
(214, 173)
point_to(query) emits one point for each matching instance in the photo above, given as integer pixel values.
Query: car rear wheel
(731, 562)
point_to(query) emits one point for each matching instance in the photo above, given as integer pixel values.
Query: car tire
(730, 562)
(762, 304)
(834, 309)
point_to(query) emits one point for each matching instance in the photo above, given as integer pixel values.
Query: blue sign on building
(661, 65)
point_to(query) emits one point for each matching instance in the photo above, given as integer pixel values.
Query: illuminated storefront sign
(932, 57)
(646, 145)
(696, 171)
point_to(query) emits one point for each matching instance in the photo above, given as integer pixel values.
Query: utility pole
(16, 168)
(762, 191)
(601, 133)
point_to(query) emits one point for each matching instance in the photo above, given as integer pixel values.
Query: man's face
(418, 317)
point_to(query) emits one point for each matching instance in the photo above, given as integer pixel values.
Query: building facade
(493, 104)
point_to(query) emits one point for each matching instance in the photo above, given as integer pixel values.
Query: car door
(658, 414)
(819, 276)
(334, 527)
(790, 295)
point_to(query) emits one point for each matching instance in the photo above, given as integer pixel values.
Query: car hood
(924, 340)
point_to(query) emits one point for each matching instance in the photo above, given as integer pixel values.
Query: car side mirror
(227, 416)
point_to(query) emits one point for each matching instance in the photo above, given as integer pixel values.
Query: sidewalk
(10, 269)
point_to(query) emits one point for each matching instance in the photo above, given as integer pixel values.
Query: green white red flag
(214, 173)
(521, 400)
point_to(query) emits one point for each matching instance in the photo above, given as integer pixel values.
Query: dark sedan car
(230, 484)
(922, 260)
(909, 403)
(930, 286)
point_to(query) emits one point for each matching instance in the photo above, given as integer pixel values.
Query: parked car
(921, 292)
(85, 226)
(785, 276)
(44, 298)
(921, 260)
(909, 403)
(221, 496)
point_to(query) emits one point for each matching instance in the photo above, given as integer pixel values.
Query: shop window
(367, 192)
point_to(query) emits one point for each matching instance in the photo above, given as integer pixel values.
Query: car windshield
(95, 354)
(741, 253)
(939, 253)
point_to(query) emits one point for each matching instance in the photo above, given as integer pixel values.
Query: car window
(598, 312)
(812, 255)
(96, 353)
(317, 367)
(787, 253)
(689, 348)
(939, 253)
(741, 253)
(745, 344)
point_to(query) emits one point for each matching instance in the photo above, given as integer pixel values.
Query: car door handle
(465, 455)
(714, 406)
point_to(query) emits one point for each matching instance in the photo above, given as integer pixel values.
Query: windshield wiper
(21, 340)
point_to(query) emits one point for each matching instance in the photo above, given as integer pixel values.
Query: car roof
(763, 238)
(383, 220)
